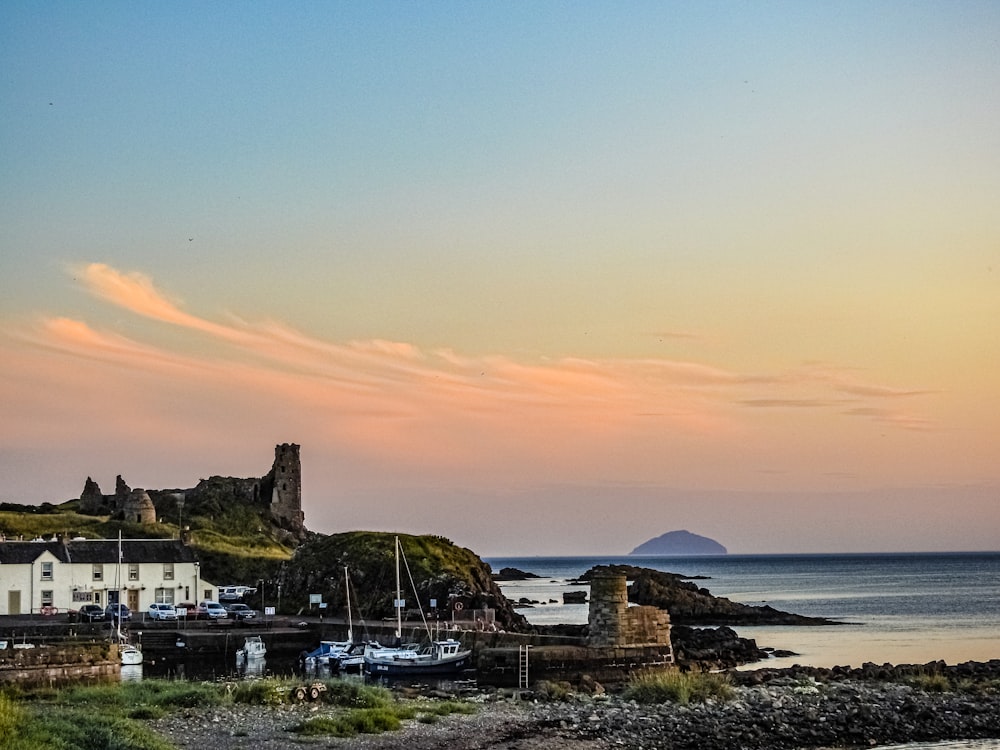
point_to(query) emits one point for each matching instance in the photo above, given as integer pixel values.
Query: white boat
(440, 657)
(130, 655)
(253, 648)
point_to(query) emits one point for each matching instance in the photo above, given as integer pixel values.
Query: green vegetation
(678, 687)
(112, 716)
(388, 717)
(933, 681)
(354, 722)
(440, 569)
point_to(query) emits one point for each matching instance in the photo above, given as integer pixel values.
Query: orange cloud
(444, 408)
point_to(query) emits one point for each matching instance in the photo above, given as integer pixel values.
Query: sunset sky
(541, 277)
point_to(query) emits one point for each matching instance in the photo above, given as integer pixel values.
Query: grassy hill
(441, 571)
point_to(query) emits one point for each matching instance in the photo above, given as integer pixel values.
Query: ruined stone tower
(608, 608)
(613, 623)
(286, 486)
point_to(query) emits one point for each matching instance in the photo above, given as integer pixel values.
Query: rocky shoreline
(798, 707)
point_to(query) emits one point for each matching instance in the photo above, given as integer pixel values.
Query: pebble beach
(778, 708)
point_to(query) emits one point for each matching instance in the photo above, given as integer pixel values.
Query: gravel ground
(782, 715)
(499, 726)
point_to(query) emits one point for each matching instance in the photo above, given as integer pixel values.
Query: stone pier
(620, 640)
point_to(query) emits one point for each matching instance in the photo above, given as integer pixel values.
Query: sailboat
(439, 657)
(129, 653)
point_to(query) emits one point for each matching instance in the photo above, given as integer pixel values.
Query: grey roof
(98, 551)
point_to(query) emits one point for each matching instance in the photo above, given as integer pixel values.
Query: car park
(90, 613)
(162, 611)
(116, 612)
(213, 610)
(241, 612)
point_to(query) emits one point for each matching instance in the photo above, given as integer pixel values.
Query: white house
(54, 576)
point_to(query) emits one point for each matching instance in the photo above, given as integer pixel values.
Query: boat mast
(118, 585)
(350, 623)
(399, 597)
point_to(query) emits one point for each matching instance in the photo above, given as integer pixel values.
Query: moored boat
(439, 657)
(253, 648)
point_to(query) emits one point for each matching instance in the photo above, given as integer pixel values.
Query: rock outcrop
(455, 578)
(688, 604)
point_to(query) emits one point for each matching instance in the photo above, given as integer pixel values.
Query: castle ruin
(278, 493)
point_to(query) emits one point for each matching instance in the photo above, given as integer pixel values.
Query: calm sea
(900, 608)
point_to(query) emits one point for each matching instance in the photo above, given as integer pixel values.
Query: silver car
(162, 612)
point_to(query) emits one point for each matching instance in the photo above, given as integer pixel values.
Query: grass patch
(76, 729)
(671, 686)
(270, 692)
(162, 693)
(357, 695)
(354, 722)
(931, 682)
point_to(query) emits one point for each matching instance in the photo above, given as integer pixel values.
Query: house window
(168, 571)
(133, 571)
(98, 572)
(46, 598)
(46, 571)
(164, 596)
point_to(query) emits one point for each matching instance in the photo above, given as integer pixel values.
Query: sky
(545, 278)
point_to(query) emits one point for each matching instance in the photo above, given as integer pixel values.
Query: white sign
(434, 603)
(399, 603)
(315, 598)
(268, 611)
(322, 605)
(180, 611)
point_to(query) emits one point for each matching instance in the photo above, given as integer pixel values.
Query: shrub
(677, 687)
(931, 682)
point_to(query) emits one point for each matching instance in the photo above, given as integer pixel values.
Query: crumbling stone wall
(139, 507)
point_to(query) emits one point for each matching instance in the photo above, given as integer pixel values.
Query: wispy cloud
(448, 379)
(440, 405)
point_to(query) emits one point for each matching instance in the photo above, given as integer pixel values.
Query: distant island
(679, 543)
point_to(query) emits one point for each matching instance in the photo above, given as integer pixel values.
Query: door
(13, 602)
(133, 600)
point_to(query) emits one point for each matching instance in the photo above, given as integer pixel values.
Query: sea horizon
(897, 607)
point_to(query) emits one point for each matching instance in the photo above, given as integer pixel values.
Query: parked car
(161, 611)
(235, 593)
(90, 613)
(118, 612)
(214, 610)
(240, 612)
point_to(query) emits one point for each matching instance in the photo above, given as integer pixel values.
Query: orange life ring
(48, 610)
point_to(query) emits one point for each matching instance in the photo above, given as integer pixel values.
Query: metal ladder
(522, 667)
